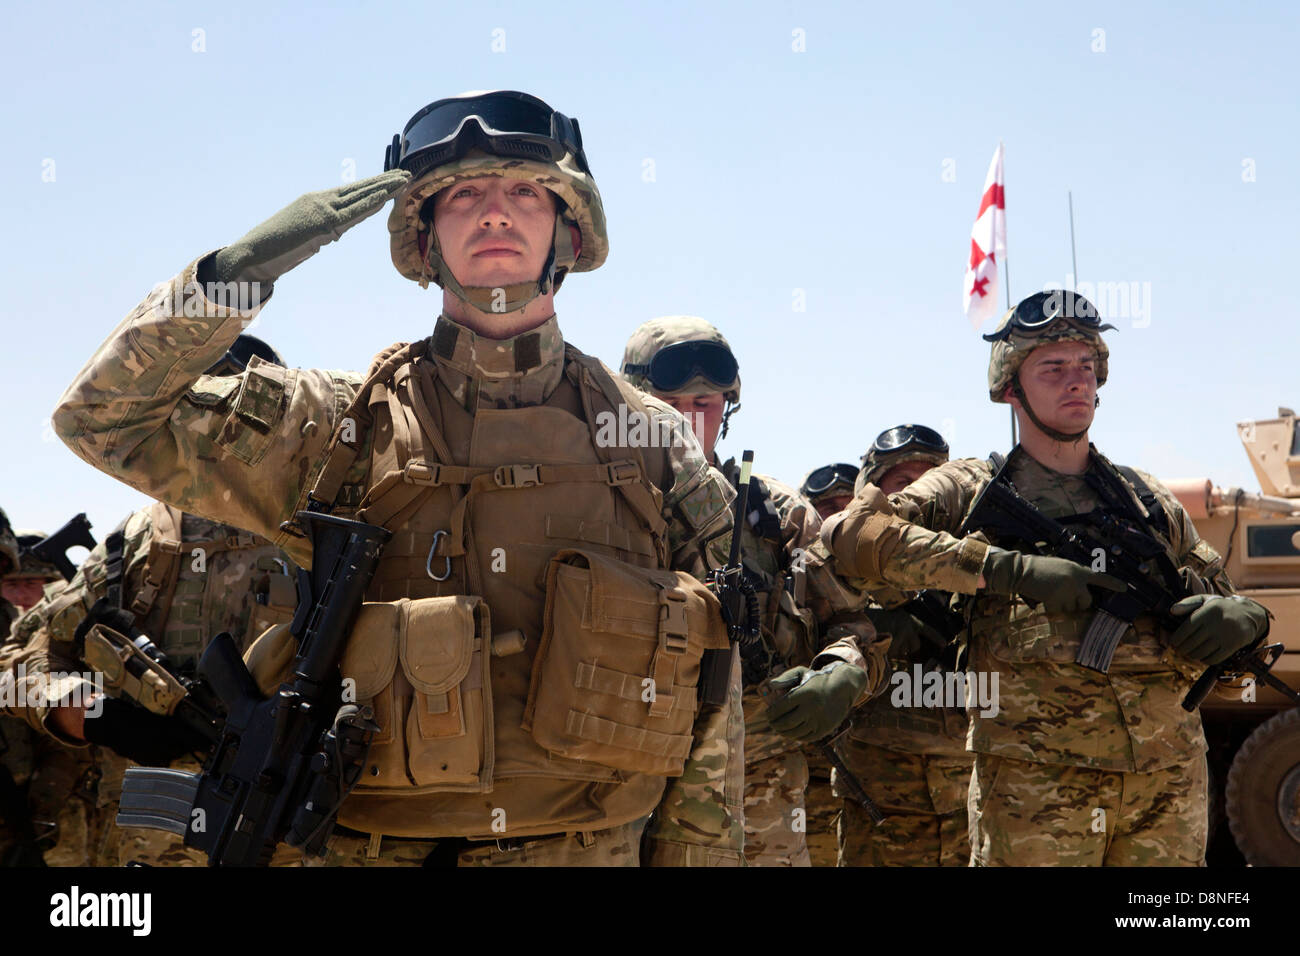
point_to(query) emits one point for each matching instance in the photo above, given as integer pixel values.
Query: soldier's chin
(1074, 418)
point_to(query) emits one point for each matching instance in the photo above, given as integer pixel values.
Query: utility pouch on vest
(423, 666)
(131, 672)
(614, 679)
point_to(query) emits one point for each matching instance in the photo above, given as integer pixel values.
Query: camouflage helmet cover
(582, 208)
(874, 467)
(1010, 352)
(667, 330)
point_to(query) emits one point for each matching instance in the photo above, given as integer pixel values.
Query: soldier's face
(23, 592)
(1060, 381)
(494, 231)
(903, 474)
(832, 505)
(703, 413)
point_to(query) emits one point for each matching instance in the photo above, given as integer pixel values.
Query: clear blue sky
(774, 171)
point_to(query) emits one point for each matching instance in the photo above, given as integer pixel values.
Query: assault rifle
(1125, 552)
(739, 601)
(54, 549)
(283, 764)
(1256, 660)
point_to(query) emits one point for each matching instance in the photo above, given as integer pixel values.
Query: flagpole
(1074, 263)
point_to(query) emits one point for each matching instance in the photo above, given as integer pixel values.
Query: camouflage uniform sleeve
(906, 541)
(698, 505)
(854, 643)
(700, 821)
(243, 450)
(44, 659)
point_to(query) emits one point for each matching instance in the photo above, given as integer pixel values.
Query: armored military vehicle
(1253, 730)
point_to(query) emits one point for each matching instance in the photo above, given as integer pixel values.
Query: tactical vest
(1013, 632)
(241, 583)
(531, 662)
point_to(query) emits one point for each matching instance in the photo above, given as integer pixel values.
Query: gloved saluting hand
(819, 701)
(299, 230)
(1216, 626)
(1061, 586)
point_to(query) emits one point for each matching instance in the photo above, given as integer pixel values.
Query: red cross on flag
(988, 247)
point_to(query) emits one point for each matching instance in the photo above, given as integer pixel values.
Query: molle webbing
(161, 570)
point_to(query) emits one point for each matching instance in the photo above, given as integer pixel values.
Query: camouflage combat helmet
(900, 444)
(1047, 317)
(9, 560)
(500, 133)
(655, 338)
(30, 566)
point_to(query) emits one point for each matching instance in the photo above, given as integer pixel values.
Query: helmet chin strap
(1066, 437)
(500, 300)
(730, 410)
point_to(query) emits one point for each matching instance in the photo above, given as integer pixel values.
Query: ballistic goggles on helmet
(675, 365)
(824, 479)
(903, 438)
(504, 123)
(1035, 315)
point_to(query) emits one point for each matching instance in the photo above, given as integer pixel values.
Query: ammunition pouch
(434, 711)
(615, 678)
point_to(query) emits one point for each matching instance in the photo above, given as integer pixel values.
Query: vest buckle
(420, 473)
(516, 476)
(673, 629)
(621, 473)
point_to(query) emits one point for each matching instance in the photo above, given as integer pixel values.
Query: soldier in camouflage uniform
(476, 448)
(1073, 766)
(911, 760)
(830, 487)
(59, 782)
(183, 579)
(685, 361)
(18, 841)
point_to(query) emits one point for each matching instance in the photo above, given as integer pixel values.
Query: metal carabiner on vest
(428, 562)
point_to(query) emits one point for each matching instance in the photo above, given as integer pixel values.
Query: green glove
(908, 632)
(299, 230)
(1061, 586)
(819, 701)
(1216, 626)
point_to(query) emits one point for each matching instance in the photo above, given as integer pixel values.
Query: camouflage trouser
(775, 816)
(615, 846)
(924, 801)
(1028, 814)
(66, 798)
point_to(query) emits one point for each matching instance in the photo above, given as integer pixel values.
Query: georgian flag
(988, 247)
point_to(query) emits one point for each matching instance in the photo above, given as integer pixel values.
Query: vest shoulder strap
(1155, 510)
(351, 428)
